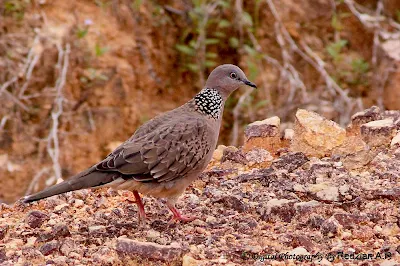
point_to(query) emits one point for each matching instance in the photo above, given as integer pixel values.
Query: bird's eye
(233, 75)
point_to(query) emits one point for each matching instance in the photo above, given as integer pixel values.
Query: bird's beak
(249, 83)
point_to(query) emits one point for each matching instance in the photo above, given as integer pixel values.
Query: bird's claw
(178, 217)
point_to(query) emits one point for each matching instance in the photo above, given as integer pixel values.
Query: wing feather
(167, 151)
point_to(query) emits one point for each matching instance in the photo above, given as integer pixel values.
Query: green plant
(81, 32)
(102, 3)
(398, 15)
(360, 66)
(336, 21)
(99, 50)
(335, 49)
(16, 8)
(205, 32)
(136, 4)
(91, 74)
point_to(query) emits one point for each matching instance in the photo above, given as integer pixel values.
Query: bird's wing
(169, 151)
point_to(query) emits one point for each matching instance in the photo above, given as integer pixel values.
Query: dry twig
(53, 148)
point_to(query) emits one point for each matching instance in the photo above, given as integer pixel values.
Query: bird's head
(226, 79)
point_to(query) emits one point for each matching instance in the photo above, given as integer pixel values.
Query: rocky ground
(318, 195)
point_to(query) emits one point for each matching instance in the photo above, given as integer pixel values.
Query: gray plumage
(168, 152)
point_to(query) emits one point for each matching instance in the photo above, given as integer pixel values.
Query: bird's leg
(177, 215)
(139, 203)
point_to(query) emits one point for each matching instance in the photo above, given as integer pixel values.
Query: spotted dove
(166, 154)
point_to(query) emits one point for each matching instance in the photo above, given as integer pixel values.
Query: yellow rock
(219, 152)
(189, 261)
(315, 135)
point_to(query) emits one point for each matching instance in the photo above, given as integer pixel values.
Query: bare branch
(32, 59)
(309, 56)
(53, 148)
(3, 122)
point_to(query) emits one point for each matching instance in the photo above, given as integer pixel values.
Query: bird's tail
(86, 179)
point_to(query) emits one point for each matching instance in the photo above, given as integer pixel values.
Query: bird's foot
(140, 205)
(178, 217)
(142, 217)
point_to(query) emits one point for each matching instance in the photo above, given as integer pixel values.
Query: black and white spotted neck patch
(209, 102)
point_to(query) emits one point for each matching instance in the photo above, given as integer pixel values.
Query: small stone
(211, 220)
(187, 260)
(49, 248)
(234, 203)
(300, 206)
(331, 227)
(60, 230)
(201, 230)
(303, 241)
(78, 203)
(101, 202)
(288, 134)
(299, 251)
(104, 256)
(81, 194)
(377, 133)
(316, 136)
(193, 199)
(344, 189)
(61, 207)
(364, 233)
(96, 229)
(3, 231)
(60, 260)
(324, 191)
(152, 235)
(392, 194)
(148, 250)
(394, 114)
(290, 161)
(315, 221)
(68, 246)
(396, 140)
(233, 154)
(3, 256)
(35, 219)
(265, 128)
(281, 208)
(219, 152)
(368, 115)
(258, 156)
(349, 221)
(30, 241)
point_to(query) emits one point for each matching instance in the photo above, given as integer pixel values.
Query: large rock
(391, 59)
(354, 153)
(371, 114)
(379, 132)
(263, 134)
(148, 250)
(315, 135)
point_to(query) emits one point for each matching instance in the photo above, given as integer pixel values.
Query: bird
(167, 153)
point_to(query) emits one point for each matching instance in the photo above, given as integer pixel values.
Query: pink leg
(177, 216)
(138, 200)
